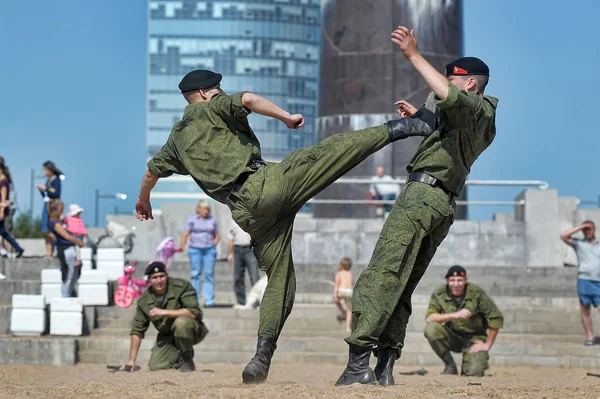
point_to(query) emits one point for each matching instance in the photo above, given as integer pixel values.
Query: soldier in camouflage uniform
(216, 146)
(171, 305)
(423, 213)
(458, 318)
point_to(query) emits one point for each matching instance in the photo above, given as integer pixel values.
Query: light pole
(33, 176)
(120, 196)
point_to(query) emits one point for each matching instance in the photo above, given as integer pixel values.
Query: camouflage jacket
(484, 313)
(213, 143)
(179, 295)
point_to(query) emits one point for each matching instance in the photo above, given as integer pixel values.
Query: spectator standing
(76, 227)
(384, 188)
(203, 234)
(342, 291)
(240, 254)
(588, 280)
(65, 245)
(50, 190)
(5, 183)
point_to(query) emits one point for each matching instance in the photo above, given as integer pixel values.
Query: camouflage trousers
(185, 333)
(416, 226)
(269, 200)
(443, 340)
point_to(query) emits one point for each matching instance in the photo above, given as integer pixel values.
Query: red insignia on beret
(460, 71)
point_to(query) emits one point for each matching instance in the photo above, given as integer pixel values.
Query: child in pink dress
(76, 227)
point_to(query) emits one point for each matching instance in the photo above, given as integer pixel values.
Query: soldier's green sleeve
(231, 106)
(462, 105)
(189, 301)
(434, 306)
(166, 162)
(140, 323)
(490, 311)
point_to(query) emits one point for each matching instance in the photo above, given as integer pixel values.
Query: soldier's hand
(143, 210)
(295, 121)
(156, 312)
(405, 39)
(129, 366)
(479, 347)
(405, 108)
(463, 314)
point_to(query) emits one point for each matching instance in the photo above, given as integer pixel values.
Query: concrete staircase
(542, 324)
(533, 336)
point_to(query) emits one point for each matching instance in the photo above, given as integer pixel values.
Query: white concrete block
(93, 294)
(93, 277)
(66, 323)
(85, 254)
(50, 291)
(110, 254)
(86, 265)
(51, 276)
(27, 321)
(113, 269)
(28, 301)
(66, 305)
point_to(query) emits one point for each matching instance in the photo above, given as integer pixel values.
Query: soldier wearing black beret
(462, 318)
(200, 79)
(171, 305)
(461, 122)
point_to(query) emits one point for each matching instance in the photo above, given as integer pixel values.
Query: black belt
(430, 180)
(233, 198)
(243, 246)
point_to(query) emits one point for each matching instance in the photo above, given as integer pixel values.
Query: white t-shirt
(588, 255)
(382, 188)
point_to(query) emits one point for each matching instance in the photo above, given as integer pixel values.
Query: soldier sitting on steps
(172, 307)
(457, 319)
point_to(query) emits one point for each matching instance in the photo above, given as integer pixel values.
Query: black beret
(155, 267)
(456, 271)
(199, 79)
(467, 66)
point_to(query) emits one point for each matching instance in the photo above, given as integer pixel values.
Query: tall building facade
(363, 73)
(269, 47)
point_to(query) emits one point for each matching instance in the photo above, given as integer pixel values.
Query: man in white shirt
(384, 188)
(588, 280)
(242, 257)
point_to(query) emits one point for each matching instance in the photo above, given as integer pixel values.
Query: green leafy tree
(23, 224)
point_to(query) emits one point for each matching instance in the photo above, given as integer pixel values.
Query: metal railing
(539, 184)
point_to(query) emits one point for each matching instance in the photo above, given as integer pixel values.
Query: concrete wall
(528, 236)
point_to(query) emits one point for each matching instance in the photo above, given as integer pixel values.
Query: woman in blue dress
(50, 190)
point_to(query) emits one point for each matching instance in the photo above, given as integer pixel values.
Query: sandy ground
(290, 381)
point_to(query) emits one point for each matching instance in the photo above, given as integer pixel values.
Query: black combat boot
(257, 370)
(421, 124)
(384, 370)
(186, 361)
(450, 366)
(357, 370)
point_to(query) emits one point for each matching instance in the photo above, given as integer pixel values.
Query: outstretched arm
(405, 39)
(143, 209)
(262, 106)
(566, 235)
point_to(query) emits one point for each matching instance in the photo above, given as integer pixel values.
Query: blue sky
(73, 90)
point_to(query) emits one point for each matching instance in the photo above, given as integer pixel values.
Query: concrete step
(322, 318)
(57, 351)
(8, 288)
(29, 269)
(416, 351)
